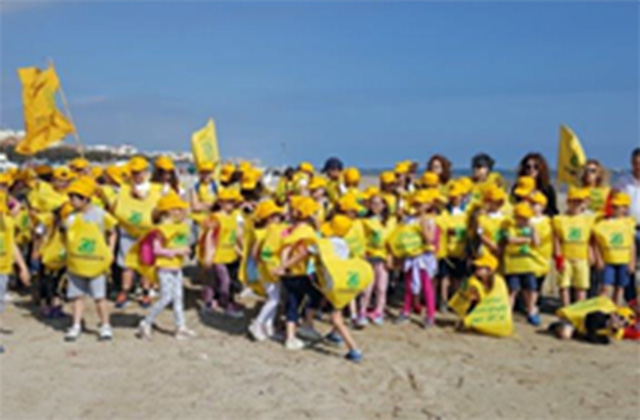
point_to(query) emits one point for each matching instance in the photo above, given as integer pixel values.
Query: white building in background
(7, 134)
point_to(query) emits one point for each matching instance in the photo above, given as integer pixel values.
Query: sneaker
(122, 300)
(402, 319)
(153, 294)
(145, 301)
(443, 307)
(233, 312)
(354, 356)
(268, 330)
(309, 334)
(185, 333)
(256, 331)
(105, 333)
(73, 333)
(428, 323)
(58, 313)
(209, 308)
(334, 338)
(361, 322)
(45, 312)
(294, 344)
(144, 330)
(534, 319)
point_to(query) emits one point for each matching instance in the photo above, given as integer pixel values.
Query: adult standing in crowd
(534, 165)
(594, 178)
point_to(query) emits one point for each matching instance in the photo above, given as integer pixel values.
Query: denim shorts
(616, 275)
(526, 281)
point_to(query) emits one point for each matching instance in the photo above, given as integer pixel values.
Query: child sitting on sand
(476, 287)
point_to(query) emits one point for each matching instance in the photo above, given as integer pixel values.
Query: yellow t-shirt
(574, 233)
(299, 237)
(615, 238)
(7, 232)
(226, 238)
(456, 234)
(175, 236)
(518, 259)
(598, 199)
(491, 227)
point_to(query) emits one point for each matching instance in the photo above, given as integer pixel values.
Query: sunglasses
(532, 166)
(592, 170)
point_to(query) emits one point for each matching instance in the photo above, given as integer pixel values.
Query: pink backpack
(147, 257)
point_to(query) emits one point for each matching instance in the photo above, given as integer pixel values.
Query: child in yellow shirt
(615, 248)
(572, 251)
(170, 248)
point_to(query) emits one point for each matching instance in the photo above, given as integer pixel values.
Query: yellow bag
(576, 313)
(88, 254)
(133, 214)
(43, 198)
(53, 251)
(340, 280)
(7, 241)
(492, 316)
(406, 241)
(460, 302)
(248, 273)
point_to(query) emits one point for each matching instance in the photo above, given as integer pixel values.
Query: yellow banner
(204, 144)
(571, 156)
(45, 125)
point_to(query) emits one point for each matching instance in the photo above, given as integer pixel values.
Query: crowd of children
(318, 242)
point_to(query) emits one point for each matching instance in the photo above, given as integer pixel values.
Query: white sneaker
(256, 331)
(268, 330)
(185, 333)
(105, 333)
(309, 334)
(73, 333)
(294, 344)
(153, 293)
(144, 330)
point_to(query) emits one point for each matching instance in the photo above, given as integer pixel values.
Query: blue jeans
(616, 275)
(298, 288)
(526, 281)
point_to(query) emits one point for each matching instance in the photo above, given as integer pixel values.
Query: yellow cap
(79, 164)
(227, 171)
(349, 202)
(339, 226)
(403, 167)
(43, 170)
(466, 184)
(424, 196)
(97, 172)
(621, 200)
(115, 173)
(442, 198)
(266, 209)
(229, 194)
(305, 206)
(165, 163)
(62, 173)
(430, 179)
(455, 189)
(171, 201)
(351, 176)
(370, 192)
(486, 260)
(538, 198)
(84, 187)
(577, 194)
(250, 179)
(6, 179)
(525, 186)
(65, 210)
(138, 164)
(206, 167)
(387, 177)
(245, 166)
(306, 167)
(494, 193)
(317, 183)
(523, 210)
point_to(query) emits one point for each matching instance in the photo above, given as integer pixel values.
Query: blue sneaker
(534, 319)
(401, 319)
(354, 356)
(334, 338)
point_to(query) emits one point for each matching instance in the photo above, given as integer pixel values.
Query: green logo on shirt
(575, 234)
(135, 218)
(616, 239)
(266, 253)
(353, 279)
(87, 246)
(181, 239)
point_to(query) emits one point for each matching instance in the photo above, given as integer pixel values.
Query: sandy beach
(407, 373)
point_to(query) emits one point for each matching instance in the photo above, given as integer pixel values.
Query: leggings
(219, 285)
(427, 289)
(268, 311)
(50, 284)
(170, 292)
(298, 288)
(380, 284)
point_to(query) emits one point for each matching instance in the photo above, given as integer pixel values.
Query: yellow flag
(571, 156)
(45, 125)
(204, 144)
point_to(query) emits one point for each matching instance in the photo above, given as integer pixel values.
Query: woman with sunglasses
(166, 176)
(594, 179)
(535, 166)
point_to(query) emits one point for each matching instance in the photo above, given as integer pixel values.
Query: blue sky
(372, 82)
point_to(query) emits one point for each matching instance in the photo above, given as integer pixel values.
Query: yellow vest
(491, 227)
(598, 199)
(407, 241)
(23, 227)
(392, 202)
(205, 195)
(543, 228)
(134, 214)
(7, 237)
(574, 233)
(110, 195)
(226, 239)
(333, 190)
(356, 239)
(460, 302)
(269, 257)
(88, 254)
(615, 238)
(376, 235)
(456, 234)
(518, 259)
(175, 235)
(53, 251)
(301, 236)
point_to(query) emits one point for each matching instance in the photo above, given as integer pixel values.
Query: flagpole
(67, 111)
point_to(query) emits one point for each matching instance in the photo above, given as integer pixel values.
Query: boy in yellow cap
(542, 225)
(80, 167)
(90, 242)
(171, 245)
(333, 170)
(204, 192)
(475, 288)
(572, 251)
(518, 238)
(9, 255)
(389, 190)
(615, 248)
(490, 220)
(525, 186)
(351, 177)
